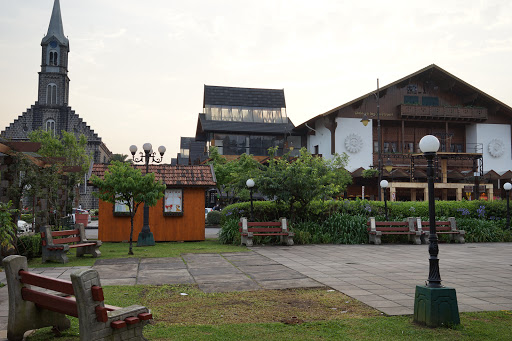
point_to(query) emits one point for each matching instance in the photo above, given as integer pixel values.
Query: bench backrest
(49, 237)
(266, 226)
(449, 225)
(389, 226)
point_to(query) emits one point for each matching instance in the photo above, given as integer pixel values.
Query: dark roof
(245, 97)
(244, 127)
(433, 71)
(186, 176)
(185, 142)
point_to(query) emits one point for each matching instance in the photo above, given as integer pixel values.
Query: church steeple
(56, 29)
(53, 78)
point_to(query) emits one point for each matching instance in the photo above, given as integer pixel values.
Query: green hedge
(344, 221)
(213, 218)
(29, 245)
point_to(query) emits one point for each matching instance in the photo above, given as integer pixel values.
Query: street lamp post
(146, 236)
(250, 185)
(384, 184)
(507, 187)
(365, 121)
(434, 304)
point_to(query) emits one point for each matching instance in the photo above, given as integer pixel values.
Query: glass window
(430, 101)
(50, 125)
(257, 115)
(247, 115)
(216, 114)
(236, 114)
(226, 114)
(411, 100)
(51, 94)
(173, 202)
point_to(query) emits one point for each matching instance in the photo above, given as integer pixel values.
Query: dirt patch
(186, 305)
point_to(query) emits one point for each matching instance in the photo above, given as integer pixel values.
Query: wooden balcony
(442, 113)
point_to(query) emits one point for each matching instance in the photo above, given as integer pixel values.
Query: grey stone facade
(51, 110)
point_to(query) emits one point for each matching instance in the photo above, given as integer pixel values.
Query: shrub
(27, 217)
(213, 218)
(336, 229)
(29, 245)
(481, 231)
(229, 233)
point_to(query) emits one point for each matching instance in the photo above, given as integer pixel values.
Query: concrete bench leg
(415, 238)
(90, 328)
(24, 315)
(375, 238)
(58, 255)
(248, 239)
(89, 250)
(288, 240)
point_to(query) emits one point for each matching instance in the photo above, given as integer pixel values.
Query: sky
(138, 68)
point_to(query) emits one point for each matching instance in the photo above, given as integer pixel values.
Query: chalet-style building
(51, 110)
(241, 120)
(179, 216)
(474, 130)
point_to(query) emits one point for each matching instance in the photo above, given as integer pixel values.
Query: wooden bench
(378, 228)
(279, 228)
(55, 244)
(443, 227)
(82, 298)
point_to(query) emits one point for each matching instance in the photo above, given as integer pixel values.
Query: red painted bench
(376, 229)
(80, 298)
(448, 227)
(57, 243)
(274, 228)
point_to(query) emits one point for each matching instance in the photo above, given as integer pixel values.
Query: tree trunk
(130, 251)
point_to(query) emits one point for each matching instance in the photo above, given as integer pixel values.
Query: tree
(120, 158)
(66, 151)
(298, 181)
(124, 184)
(232, 175)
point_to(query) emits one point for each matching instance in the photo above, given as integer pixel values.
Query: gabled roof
(433, 71)
(56, 29)
(244, 97)
(243, 127)
(173, 176)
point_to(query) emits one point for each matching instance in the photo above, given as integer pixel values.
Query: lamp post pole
(384, 185)
(250, 184)
(508, 186)
(146, 236)
(434, 304)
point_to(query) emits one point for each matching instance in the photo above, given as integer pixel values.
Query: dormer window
(51, 94)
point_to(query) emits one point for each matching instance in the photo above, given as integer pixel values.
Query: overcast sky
(138, 68)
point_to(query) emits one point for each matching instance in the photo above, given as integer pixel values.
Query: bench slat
(263, 229)
(386, 229)
(80, 245)
(264, 223)
(67, 240)
(46, 282)
(65, 233)
(267, 234)
(50, 302)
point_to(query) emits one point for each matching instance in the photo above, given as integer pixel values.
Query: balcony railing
(443, 113)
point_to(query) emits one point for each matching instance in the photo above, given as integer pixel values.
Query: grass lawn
(291, 314)
(161, 249)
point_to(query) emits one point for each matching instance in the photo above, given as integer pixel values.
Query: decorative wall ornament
(496, 148)
(353, 143)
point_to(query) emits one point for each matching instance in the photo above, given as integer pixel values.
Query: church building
(51, 111)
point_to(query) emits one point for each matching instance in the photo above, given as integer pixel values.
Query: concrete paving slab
(115, 261)
(290, 284)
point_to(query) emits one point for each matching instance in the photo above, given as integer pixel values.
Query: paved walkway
(382, 276)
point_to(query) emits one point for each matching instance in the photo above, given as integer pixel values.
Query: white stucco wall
(489, 135)
(353, 138)
(322, 138)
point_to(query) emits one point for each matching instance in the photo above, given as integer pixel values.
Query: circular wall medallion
(496, 147)
(353, 143)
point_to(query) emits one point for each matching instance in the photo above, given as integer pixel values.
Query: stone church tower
(51, 110)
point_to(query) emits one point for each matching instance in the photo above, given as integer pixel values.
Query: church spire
(56, 29)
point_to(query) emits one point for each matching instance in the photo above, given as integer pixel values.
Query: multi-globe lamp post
(434, 304)
(507, 187)
(146, 236)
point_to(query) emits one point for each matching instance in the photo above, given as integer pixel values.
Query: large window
(245, 114)
(248, 144)
(51, 94)
(54, 58)
(50, 126)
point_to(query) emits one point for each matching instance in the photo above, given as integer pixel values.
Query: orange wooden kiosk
(179, 216)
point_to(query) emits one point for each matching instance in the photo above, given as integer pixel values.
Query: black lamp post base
(146, 239)
(436, 307)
